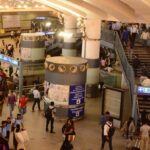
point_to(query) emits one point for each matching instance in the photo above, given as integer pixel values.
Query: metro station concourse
(60, 46)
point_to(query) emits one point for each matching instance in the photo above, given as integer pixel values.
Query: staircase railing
(113, 38)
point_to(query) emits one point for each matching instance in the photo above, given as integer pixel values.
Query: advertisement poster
(76, 112)
(112, 102)
(77, 94)
(26, 53)
(59, 93)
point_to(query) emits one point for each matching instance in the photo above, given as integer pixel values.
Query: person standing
(130, 128)
(107, 134)
(144, 133)
(11, 103)
(3, 135)
(23, 104)
(36, 96)
(50, 114)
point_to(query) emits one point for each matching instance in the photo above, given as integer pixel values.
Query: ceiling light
(43, 6)
(1, 7)
(6, 6)
(25, 6)
(19, 6)
(48, 24)
(37, 6)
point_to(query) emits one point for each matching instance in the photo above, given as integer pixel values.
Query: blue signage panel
(143, 90)
(77, 94)
(76, 112)
(9, 60)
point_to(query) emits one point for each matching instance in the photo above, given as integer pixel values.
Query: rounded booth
(65, 79)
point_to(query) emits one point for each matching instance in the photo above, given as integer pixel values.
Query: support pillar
(90, 51)
(70, 26)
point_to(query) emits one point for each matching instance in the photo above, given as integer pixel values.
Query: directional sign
(143, 90)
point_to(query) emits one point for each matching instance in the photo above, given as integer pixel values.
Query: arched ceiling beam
(116, 8)
(87, 8)
(62, 7)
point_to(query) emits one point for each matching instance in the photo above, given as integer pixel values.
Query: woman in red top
(23, 104)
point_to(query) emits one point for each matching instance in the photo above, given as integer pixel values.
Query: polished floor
(88, 130)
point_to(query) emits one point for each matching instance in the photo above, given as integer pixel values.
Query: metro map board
(77, 94)
(141, 90)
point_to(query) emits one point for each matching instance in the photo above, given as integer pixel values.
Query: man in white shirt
(144, 132)
(107, 137)
(37, 96)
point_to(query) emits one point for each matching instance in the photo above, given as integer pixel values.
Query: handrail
(113, 38)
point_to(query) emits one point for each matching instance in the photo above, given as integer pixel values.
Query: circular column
(90, 51)
(33, 54)
(67, 77)
(32, 47)
(70, 26)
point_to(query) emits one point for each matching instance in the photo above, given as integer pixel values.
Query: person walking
(11, 103)
(68, 131)
(144, 134)
(36, 96)
(23, 104)
(50, 115)
(108, 133)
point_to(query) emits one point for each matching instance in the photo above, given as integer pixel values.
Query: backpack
(111, 131)
(48, 112)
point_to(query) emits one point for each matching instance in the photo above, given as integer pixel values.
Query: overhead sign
(9, 60)
(141, 90)
(77, 94)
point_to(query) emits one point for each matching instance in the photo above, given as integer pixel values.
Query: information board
(11, 21)
(76, 112)
(77, 94)
(112, 102)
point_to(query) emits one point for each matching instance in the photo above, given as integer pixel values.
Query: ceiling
(119, 10)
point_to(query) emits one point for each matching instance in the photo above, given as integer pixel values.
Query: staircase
(144, 56)
(144, 103)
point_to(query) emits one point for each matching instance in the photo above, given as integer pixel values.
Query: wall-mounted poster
(77, 94)
(59, 93)
(112, 102)
(11, 21)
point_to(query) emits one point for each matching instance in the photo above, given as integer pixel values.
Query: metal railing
(113, 38)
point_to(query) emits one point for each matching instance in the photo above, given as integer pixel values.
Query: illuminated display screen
(143, 90)
(9, 60)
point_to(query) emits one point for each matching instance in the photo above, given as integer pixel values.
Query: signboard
(9, 60)
(76, 112)
(59, 93)
(11, 21)
(112, 102)
(77, 94)
(143, 90)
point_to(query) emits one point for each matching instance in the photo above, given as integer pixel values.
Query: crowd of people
(137, 135)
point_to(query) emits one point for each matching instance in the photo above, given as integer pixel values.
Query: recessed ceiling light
(1, 7)
(37, 6)
(19, 6)
(25, 6)
(43, 6)
(6, 6)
